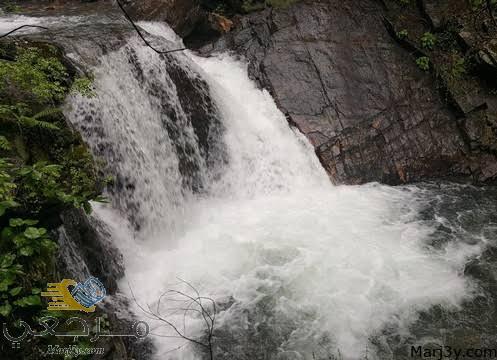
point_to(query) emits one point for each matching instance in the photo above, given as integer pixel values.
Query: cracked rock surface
(357, 95)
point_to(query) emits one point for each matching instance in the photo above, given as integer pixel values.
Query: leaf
(25, 170)
(20, 240)
(49, 245)
(4, 143)
(7, 260)
(15, 222)
(7, 234)
(87, 207)
(15, 291)
(5, 309)
(101, 199)
(26, 251)
(35, 291)
(31, 300)
(6, 282)
(27, 121)
(47, 112)
(7, 204)
(34, 233)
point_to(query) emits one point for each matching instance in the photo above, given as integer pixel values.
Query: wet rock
(181, 15)
(436, 9)
(339, 76)
(85, 249)
(207, 30)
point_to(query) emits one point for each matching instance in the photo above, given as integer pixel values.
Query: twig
(21, 27)
(189, 302)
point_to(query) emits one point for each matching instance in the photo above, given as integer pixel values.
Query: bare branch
(191, 304)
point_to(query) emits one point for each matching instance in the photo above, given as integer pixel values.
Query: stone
(181, 15)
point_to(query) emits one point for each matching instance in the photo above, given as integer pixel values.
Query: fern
(47, 113)
(17, 113)
(4, 143)
(30, 121)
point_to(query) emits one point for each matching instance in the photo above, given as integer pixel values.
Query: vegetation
(10, 7)
(423, 63)
(44, 169)
(402, 34)
(428, 40)
(83, 86)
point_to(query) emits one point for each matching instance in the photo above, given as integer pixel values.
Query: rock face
(181, 15)
(341, 78)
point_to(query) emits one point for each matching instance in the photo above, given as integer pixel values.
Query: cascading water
(299, 267)
(234, 202)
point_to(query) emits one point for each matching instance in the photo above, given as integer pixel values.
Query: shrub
(403, 34)
(428, 40)
(423, 63)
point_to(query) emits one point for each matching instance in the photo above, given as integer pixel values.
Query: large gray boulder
(359, 97)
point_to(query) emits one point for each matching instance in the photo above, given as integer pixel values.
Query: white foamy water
(11, 22)
(300, 269)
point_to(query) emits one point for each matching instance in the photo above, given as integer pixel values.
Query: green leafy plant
(83, 86)
(10, 7)
(18, 113)
(428, 40)
(7, 187)
(42, 183)
(31, 247)
(4, 143)
(403, 34)
(33, 76)
(423, 63)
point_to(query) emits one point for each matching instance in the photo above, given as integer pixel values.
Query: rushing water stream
(299, 268)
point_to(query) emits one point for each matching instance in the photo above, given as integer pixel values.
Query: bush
(428, 40)
(423, 63)
(403, 34)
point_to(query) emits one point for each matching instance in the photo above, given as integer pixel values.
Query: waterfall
(298, 267)
(212, 186)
